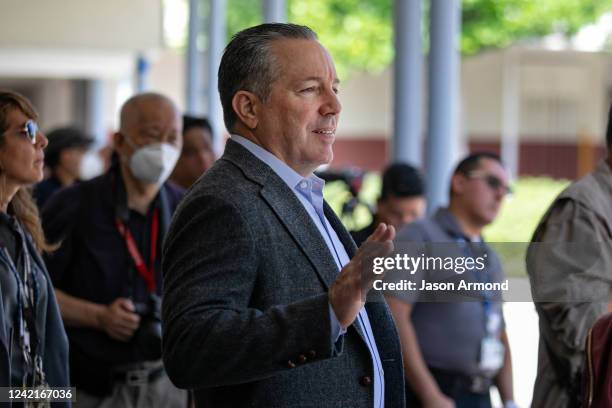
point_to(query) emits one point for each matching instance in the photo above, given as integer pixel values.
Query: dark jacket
(55, 361)
(94, 264)
(245, 311)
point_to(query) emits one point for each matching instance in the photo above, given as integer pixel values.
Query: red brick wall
(368, 154)
(558, 160)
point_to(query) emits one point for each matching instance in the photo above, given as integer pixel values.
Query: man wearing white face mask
(107, 270)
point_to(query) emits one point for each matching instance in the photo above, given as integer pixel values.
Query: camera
(149, 334)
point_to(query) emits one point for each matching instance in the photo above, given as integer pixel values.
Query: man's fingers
(127, 324)
(382, 233)
(380, 229)
(126, 304)
(122, 335)
(128, 317)
(388, 234)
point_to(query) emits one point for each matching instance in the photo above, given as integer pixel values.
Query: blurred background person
(63, 157)
(33, 343)
(107, 273)
(401, 201)
(197, 155)
(454, 351)
(570, 271)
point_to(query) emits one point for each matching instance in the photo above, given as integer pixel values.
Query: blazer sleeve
(211, 335)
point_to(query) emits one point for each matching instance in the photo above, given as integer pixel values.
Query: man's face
(482, 191)
(150, 121)
(298, 121)
(70, 160)
(197, 156)
(399, 211)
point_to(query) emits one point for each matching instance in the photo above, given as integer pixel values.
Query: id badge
(491, 354)
(493, 322)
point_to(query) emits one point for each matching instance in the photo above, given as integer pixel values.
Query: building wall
(557, 160)
(85, 24)
(563, 108)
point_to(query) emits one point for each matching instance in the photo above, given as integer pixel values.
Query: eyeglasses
(493, 182)
(30, 130)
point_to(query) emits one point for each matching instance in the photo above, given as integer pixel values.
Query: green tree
(359, 33)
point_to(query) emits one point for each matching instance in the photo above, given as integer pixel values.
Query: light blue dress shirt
(310, 193)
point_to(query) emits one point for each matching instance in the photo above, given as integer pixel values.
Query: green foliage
(516, 222)
(498, 23)
(242, 14)
(522, 211)
(359, 33)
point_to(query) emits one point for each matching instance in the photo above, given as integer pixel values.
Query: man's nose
(407, 219)
(331, 105)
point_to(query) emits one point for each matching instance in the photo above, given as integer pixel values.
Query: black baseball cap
(65, 138)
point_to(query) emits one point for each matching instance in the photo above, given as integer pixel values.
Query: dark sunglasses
(493, 182)
(30, 130)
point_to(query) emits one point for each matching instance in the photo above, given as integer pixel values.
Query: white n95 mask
(154, 162)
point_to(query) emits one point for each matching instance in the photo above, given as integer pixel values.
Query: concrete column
(274, 11)
(445, 28)
(216, 43)
(142, 73)
(194, 96)
(510, 143)
(408, 76)
(94, 111)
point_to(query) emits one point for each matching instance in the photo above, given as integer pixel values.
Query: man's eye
(309, 89)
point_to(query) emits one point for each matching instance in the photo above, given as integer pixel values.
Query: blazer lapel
(294, 217)
(345, 238)
(288, 209)
(300, 226)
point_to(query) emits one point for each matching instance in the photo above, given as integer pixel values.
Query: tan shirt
(570, 267)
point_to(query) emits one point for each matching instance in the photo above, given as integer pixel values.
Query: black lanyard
(27, 300)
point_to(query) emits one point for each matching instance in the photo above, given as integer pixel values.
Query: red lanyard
(148, 274)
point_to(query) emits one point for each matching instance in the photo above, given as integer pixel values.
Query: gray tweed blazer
(245, 308)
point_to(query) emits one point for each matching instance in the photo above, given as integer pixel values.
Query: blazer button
(301, 359)
(312, 354)
(365, 381)
(290, 364)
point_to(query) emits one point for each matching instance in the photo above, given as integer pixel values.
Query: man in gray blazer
(263, 287)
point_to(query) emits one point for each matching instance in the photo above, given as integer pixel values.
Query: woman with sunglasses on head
(33, 343)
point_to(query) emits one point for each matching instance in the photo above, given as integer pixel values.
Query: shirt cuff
(336, 329)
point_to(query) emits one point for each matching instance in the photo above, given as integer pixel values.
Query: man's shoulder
(174, 193)
(226, 179)
(69, 198)
(224, 184)
(586, 195)
(425, 229)
(72, 206)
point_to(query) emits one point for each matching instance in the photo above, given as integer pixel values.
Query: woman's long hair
(22, 205)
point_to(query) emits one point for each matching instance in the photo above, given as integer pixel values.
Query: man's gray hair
(248, 63)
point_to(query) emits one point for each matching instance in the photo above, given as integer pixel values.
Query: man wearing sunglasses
(454, 351)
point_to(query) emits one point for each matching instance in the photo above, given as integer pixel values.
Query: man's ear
(119, 143)
(458, 183)
(246, 105)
